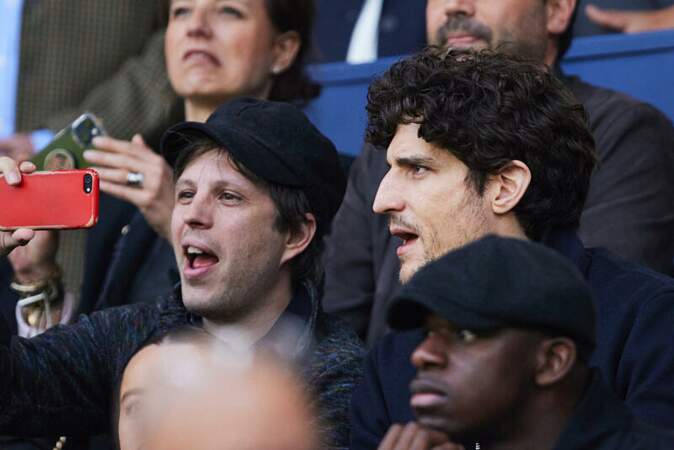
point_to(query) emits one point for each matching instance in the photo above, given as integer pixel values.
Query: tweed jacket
(94, 55)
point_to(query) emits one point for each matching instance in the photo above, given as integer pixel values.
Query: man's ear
(559, 13)
(286, 47)
(555, 358)
(299, 239)
(508, 186)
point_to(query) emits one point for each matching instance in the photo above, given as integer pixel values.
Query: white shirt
(365, 36)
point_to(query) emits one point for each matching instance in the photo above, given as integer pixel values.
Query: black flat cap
(277, 143)
(498, 283)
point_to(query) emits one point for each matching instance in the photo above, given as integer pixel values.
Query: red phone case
(50, 200)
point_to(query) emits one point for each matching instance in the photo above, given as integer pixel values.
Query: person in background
(361, 31)
(629, 205)
(190, 391)
(626, 16)
(509, 330)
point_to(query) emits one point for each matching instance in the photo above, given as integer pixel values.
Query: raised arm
(62, 381)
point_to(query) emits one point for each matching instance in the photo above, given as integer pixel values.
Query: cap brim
(243, 148)
(176, 138)
(412, 312)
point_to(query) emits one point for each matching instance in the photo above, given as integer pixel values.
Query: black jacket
(602, 422)
(63, 381)
(629, 209)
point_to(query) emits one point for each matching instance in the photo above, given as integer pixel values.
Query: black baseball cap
(277, 143)
(496, 283)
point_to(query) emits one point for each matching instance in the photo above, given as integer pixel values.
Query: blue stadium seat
(641, 65)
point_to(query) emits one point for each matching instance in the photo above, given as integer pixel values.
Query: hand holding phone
(66, 150)
(12, 239)
(61, 199)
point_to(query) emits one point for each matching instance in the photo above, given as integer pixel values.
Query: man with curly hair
(629, 204)
(487, 143)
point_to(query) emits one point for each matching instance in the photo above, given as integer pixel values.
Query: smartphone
(65, 151)
(61, 199)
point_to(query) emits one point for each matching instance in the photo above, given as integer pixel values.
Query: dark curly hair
(487, 109)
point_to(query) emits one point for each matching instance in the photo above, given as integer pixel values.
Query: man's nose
(388, 198)
(429, 353)
(198, 213)
(459, 7)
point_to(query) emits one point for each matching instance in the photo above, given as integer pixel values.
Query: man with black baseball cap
(510, 329)
(256, 188)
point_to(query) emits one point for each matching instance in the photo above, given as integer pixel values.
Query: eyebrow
(185, 181)
(242, 190)
(131, 393)
(414, 161)
(245, 2)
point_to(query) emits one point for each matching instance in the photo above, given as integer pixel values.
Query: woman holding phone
(215, 50)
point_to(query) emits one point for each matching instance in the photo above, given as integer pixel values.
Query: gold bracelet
(50, 283)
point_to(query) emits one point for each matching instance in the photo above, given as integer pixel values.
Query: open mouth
(408, 239)
(199, 258)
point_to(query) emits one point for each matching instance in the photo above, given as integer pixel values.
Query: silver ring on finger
(135, 179)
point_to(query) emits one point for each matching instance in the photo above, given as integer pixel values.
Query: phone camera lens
(88, 183)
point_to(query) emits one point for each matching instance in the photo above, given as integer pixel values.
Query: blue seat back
(641, 65)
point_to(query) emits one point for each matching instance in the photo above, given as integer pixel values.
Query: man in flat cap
(257, 186)
(483, 142)
(510, 329)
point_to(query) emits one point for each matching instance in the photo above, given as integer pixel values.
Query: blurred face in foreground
(187, 396)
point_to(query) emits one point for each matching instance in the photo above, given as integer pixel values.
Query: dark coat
(62, 381)
(634, 353)
(141, 268)
(628, 209)
(599, 422)
(602, 422)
